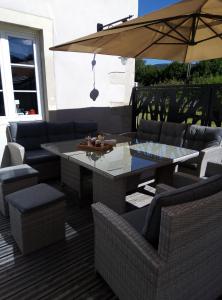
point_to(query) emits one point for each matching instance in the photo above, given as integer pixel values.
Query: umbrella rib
(159, 39)
(210, 38)
(216, 33)
(180, 34)
(198, 19)
(212, 17)
(172, 43)
(193, 30)
(166, 34)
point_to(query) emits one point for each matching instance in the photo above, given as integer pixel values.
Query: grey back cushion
(149, 130)
(29, 134)
(202, 137)
(60, 131)
(172, 133)
(82, 129)
(182, 195)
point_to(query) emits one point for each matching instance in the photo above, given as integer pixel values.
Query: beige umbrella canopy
(187, 31)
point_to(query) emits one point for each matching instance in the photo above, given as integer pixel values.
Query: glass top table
(115, 173)
(127, 157)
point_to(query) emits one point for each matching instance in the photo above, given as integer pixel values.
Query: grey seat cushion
(172, 133)
(15, 173)
(29, 134)
(39, 156)
(82, 129)
(34, 197)
(185, 194)
(136, 218)
(149, 130)
(60, 131)
(202, 137)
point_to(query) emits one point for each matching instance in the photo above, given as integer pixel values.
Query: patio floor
(64, 270)
(61, 271)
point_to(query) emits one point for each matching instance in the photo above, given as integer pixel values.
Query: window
(20, 92)
(2, 106)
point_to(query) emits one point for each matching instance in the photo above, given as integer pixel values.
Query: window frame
(3, 118)
(6, 72)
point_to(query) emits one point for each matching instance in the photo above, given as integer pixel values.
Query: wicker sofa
(168, 250)
(25, 139)
(206, 140)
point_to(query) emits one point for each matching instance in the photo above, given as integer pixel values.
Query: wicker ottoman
(37, 217)
(13, 179)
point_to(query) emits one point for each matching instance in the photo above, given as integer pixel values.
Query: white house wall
(73, 71)
(69, 77)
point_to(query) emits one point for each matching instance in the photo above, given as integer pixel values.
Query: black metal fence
(192, 104)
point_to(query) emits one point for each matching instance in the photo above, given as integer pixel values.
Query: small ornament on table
(89, 140)
(97, 143)
(101, 139)
(93, 141)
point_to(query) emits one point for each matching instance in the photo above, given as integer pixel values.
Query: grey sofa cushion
(29, 134)
(149, 130)
(136, 218)
(201, 137)
(34, 197)
(185, 194)
(172, 133)
(14, 173)
(83, 129)
(38, 156)
(60, 131)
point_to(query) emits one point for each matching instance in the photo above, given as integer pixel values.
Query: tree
(146, 74)
(175, 73)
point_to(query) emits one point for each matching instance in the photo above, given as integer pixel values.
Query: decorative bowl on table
(95, 144)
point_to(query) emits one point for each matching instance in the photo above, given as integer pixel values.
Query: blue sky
(145, 7)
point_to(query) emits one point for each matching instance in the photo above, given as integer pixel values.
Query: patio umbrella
(187, 31)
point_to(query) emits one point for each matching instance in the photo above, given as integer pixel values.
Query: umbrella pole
(189, 66)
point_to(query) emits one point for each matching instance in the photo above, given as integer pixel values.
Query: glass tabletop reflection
(127, 157)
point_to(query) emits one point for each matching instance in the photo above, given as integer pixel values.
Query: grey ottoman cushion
(14, 173)
(172, 133)
(34, 197)
(182, 195)
(149, 130)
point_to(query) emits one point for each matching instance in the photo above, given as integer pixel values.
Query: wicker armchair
(186, 265)
(181, 179)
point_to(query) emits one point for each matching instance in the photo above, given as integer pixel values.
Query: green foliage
(146, 74)
(176, 73)
(217, 79)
